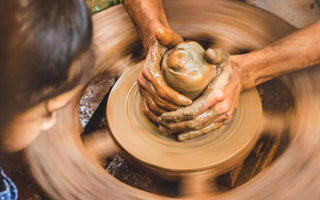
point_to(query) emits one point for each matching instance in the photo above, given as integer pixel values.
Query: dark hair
(40, 39)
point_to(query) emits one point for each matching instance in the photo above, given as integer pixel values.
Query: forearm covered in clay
(149, 17)
(296, 51)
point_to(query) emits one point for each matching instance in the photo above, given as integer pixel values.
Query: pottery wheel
(140, 138)
(69, 165)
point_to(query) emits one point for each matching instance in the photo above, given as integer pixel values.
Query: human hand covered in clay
(157, 37)
(158, 97)
(214, 107)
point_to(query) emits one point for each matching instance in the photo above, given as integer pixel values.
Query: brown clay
(191, 121)
(186, 70)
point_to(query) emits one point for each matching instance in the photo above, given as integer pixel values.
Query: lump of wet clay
(186, 70)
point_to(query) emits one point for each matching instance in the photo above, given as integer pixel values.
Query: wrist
(242, 64)
(256, 68)
(149, 33)
(252, 69)
(148, 16)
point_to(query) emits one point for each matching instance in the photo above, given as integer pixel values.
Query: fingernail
(185, 101)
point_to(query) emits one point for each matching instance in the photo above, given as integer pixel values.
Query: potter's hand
(214, 107)
(156, 36)
(158, 96)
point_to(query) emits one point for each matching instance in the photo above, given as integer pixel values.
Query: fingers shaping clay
(186, 70)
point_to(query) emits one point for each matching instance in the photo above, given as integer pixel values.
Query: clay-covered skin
(192, 121)
(184, 67)
(156, 36)
(159, 98)
(186, 70)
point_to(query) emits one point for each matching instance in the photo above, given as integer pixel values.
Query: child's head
(45, 53)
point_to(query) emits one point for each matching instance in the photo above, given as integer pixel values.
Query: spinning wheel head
(219, 150)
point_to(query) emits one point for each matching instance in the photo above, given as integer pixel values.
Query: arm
(296, 51)
(156, 35)
(148, 16)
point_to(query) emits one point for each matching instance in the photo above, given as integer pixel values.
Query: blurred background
(98, 5)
